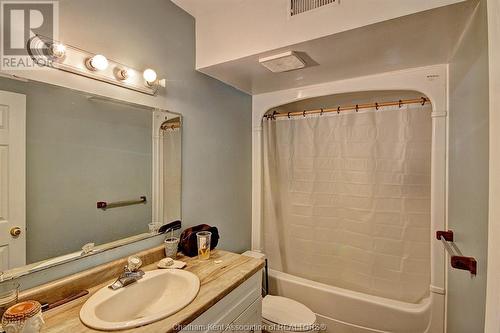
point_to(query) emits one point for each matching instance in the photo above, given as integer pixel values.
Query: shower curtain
(347, 199)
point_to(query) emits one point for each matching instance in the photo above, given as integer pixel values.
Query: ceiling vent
(302, 6)
(283, 62)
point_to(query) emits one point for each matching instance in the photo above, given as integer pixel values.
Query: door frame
(492, 319)
(431, 81)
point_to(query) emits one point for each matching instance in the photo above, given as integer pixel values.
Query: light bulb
(58, 50)
(98, 62)
(123, 73)
(149, 75)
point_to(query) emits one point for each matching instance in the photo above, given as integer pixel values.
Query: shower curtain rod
(357, 107)
(166, 126)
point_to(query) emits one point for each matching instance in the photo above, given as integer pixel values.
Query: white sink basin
(159, 294)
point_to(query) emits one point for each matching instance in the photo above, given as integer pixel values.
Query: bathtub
(343, 311)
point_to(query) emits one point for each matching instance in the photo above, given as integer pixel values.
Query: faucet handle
(87, 248)
(133, 263)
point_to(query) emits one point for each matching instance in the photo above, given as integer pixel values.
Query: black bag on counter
(188, 243)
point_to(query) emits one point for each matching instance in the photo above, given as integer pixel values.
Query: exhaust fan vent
(283, 62)
(302, 6)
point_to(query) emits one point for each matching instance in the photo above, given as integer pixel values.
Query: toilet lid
(287, 312)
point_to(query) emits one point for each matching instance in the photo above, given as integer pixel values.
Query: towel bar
(105, 205)
(457, 260)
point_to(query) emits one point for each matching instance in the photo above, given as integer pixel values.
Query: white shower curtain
(347, 199)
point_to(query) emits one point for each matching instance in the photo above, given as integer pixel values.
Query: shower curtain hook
(274, 115)
(376, 106)
(338, 110)
(304, 113)
(424, 100)
(321, 113)
(400, 103)
(288, 115)
(357, 107)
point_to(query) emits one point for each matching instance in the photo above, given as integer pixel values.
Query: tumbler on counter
(171, 245)
(203, 238)
(9, 292)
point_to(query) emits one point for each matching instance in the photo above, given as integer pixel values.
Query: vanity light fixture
(50, 53)
(97, 63)
(149, 76)
(58, 50)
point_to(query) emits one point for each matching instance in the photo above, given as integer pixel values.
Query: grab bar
(458, 260)
(105, 205)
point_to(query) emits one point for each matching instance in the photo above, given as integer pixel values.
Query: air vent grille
(302, 6)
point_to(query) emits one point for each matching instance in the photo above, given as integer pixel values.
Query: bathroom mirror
(94, 169)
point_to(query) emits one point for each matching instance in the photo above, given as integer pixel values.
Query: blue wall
(216, 117)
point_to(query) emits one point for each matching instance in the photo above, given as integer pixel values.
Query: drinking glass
(171, 245)
(9, 292)
(154, 227)
(203, 238)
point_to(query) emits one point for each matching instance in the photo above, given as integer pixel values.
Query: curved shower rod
(276, 114)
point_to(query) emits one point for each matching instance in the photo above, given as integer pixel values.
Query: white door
(12, 180)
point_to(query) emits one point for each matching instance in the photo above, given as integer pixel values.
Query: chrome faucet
(130, 274)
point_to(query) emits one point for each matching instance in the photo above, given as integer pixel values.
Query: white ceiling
(416, 40)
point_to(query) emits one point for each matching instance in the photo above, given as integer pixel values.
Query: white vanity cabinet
(239, 312)
(249, 321)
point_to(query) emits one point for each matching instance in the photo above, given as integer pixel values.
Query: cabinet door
(229, 309)
(250, 321)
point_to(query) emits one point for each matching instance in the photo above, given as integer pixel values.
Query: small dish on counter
(170, 263)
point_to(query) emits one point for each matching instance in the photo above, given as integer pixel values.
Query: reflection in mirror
(82, 152)
(170, 133)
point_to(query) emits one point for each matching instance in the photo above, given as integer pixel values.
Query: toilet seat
(291, 315)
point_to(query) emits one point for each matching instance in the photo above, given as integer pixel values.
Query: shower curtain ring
(321, 113)
(424, 100)
(288, 115)
(304, 113)
(338, 110)
(376, 106)
(357, 107)
(400, 103)
(274, 115)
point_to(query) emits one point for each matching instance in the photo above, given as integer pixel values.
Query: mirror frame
(156, 113)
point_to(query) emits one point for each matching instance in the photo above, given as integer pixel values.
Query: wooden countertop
(216, 281)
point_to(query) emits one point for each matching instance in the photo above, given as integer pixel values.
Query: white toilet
(282, 314)
(286, 315)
